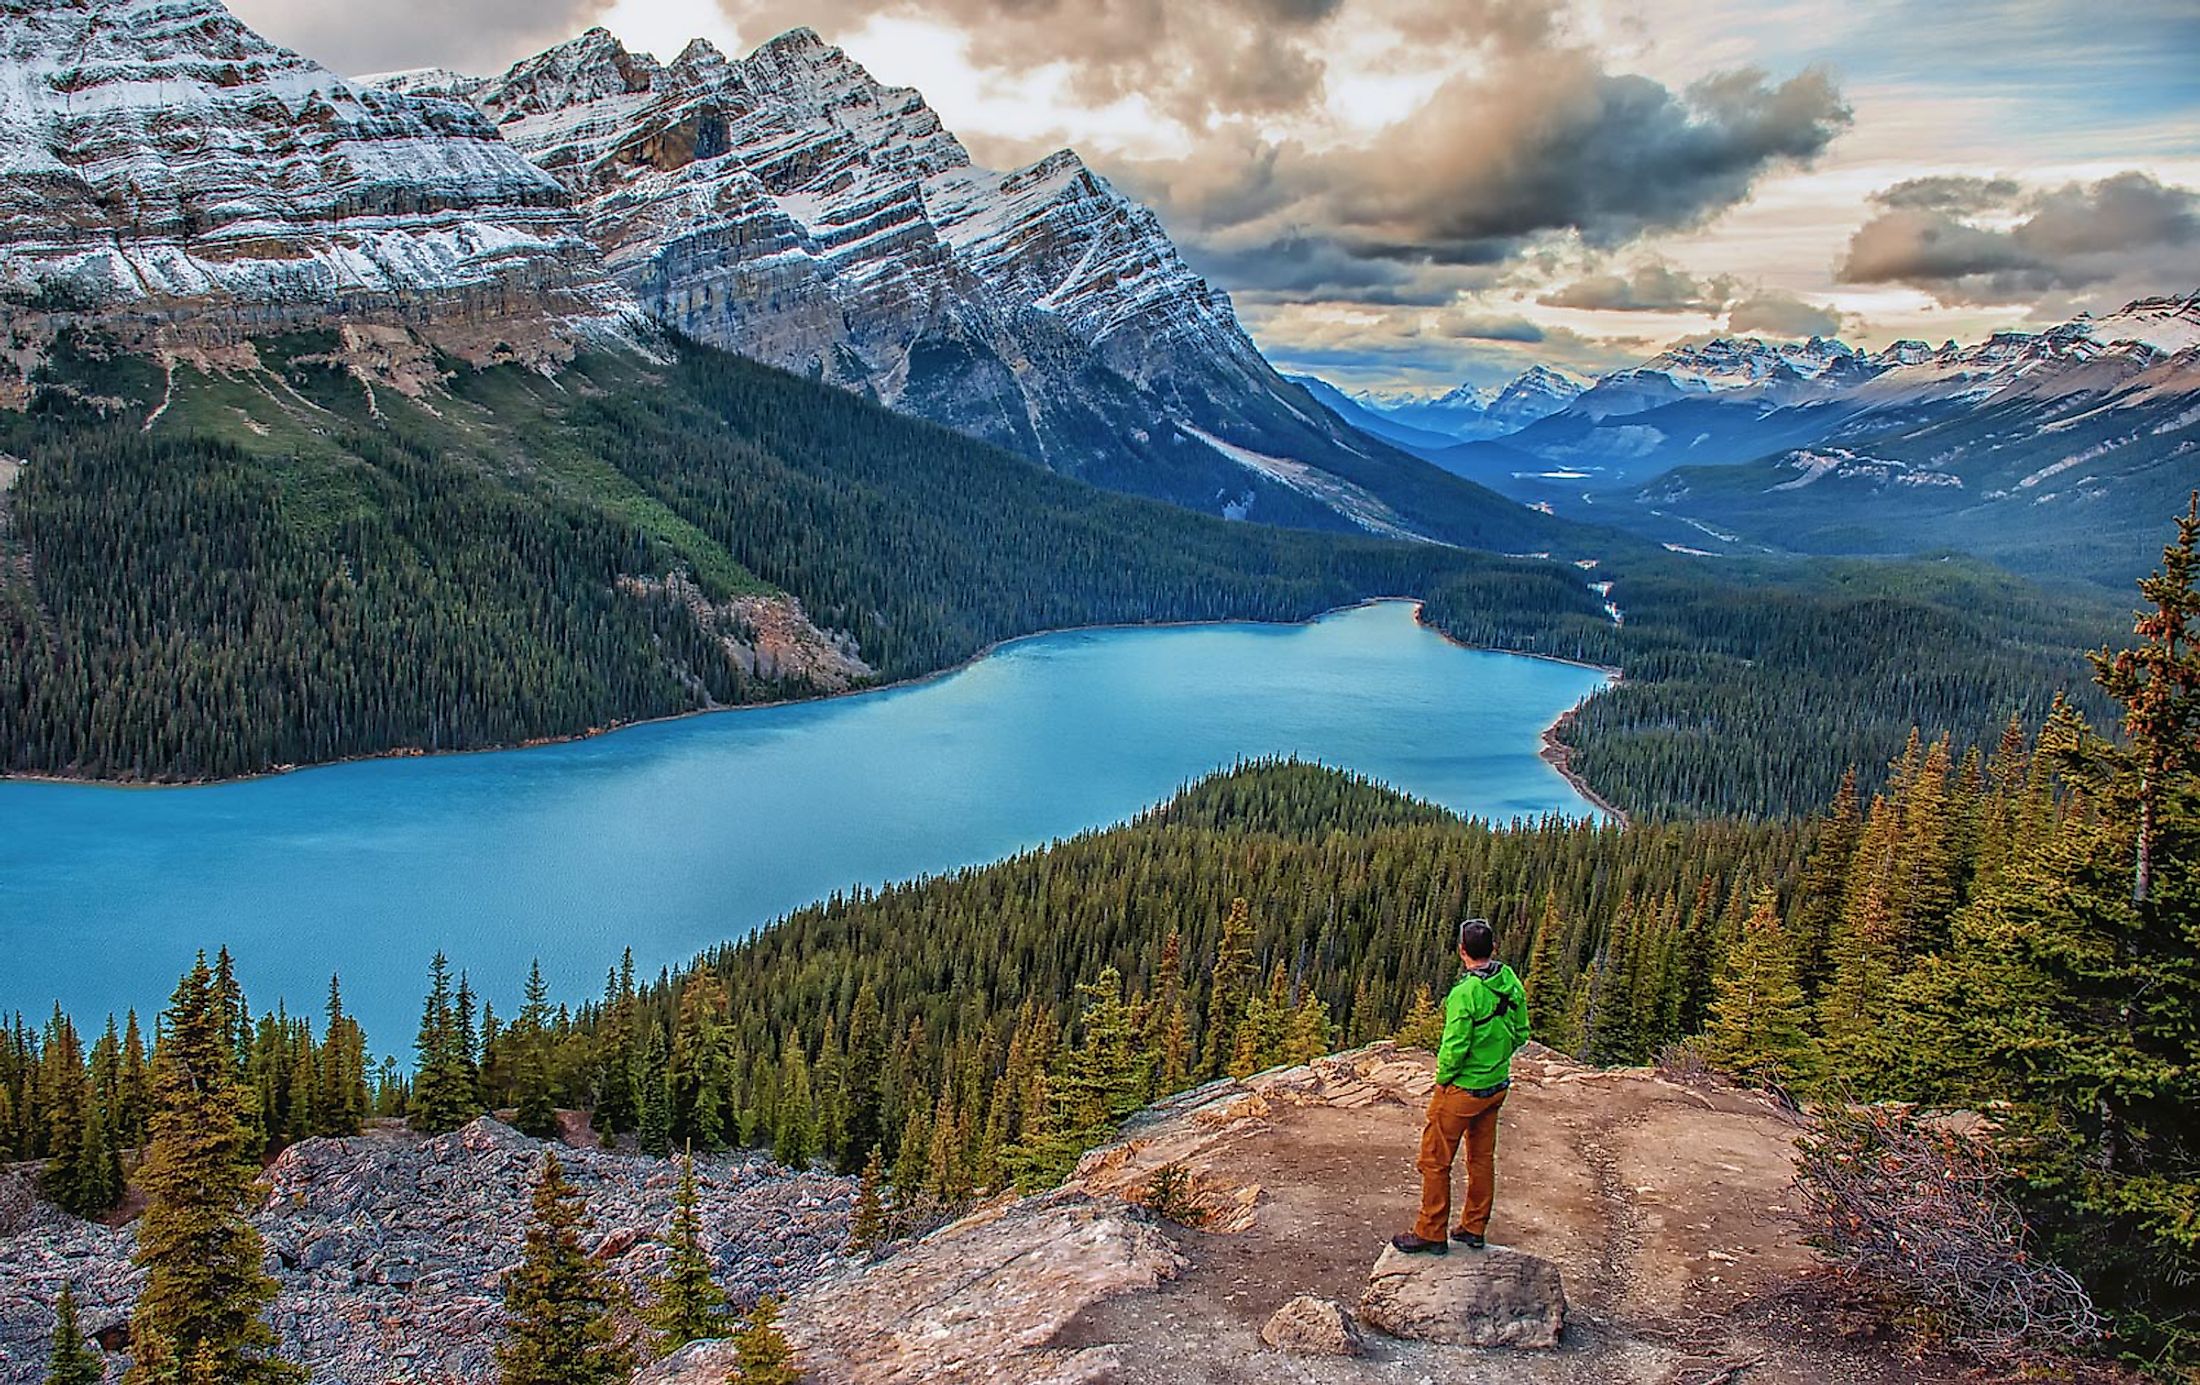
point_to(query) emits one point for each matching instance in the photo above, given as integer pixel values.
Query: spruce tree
(1169, 1024)
(75, 1361)
(1230, 989)
(689, 1305)
(701, 1069)
(867, 1226)
(794, 1123)
(655, 1130)
(1759, 1020)
(1423, 1026)
(443, 1095)
(2089, 946)
(866, 1116)
(558, 1301)
(205, 1292)
(1546, 979)
(761, 1353)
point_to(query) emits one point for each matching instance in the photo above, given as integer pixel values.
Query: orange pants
(1453, 1116)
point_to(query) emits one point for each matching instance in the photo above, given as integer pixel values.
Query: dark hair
(1477, 939)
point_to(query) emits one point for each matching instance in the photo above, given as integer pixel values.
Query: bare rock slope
(389, 1250)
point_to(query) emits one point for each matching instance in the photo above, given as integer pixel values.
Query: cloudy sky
(1416, 192)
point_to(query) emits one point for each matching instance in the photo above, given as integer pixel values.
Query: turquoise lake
(672, 836)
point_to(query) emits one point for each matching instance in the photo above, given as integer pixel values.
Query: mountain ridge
(790, 207)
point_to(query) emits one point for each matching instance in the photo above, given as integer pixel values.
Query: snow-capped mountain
(1773, 373)
(790, 207)
(158, 158)
(1457, 413)
(1536, 393)
(1465, 414)
(1368, 419)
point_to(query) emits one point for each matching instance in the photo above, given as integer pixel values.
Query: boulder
(1309, 1326)
(1483, 1298)
(709, 1362)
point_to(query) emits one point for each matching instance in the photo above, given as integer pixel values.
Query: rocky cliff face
(164, 169)
(790, 207)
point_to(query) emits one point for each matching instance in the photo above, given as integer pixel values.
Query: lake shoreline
(1554, 751)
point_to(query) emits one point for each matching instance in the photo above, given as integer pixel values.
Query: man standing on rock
(1485, 1020)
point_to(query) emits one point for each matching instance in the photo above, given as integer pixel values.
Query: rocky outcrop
(986, 1299)
(1492, 1297)
(389, 1251)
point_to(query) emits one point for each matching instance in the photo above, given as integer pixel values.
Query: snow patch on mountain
(159, 151)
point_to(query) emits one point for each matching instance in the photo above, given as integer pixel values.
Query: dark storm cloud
(2120, 237)
(1945, 192)
(1545, 142)
(474, 36)
(1645, 288)
(1782, 315)
(1469, 326)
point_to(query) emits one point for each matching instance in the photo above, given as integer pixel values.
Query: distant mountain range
(181, 184)
(2057, 451)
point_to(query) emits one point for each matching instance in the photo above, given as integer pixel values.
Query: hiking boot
(1410, 1244)
(1472, 1240)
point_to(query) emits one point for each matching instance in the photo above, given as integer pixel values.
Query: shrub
(1918, 1206)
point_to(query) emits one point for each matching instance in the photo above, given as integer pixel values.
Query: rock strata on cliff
(790, 207)
(163, 167)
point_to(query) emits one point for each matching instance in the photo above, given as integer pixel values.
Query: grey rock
(1487, 1298)
(1309, 1326)
(388, 1248)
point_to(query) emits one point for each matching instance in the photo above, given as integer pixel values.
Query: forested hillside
(2010, 931)
(1753, 685)
(238, 569)
(288, 564)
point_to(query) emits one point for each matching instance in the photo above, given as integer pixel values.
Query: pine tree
(205, 1291)
(75, 1361)
(866, 1116)
(1307, 1035)
(700, 1073)
(1230, 989)
(655, 1130)
(1170, 1022)
(558, 1301)
(761, 1353)
(689, 1305)
(1546, 978)
(443, 1095)
(1423, 1026)
(867, 1225)
(794, 1138)
(1759, 1020)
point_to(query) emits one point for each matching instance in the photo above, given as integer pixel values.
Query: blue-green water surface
(673, 836)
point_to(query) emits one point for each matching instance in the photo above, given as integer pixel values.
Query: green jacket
(1479, 1041)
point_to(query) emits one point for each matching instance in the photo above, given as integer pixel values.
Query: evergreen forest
(2012, 929)
(291, 567)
